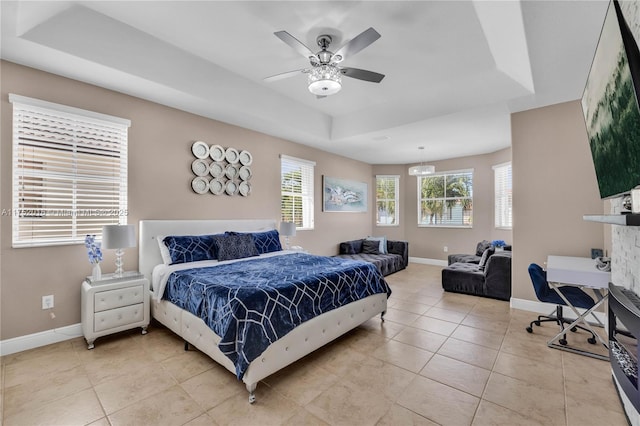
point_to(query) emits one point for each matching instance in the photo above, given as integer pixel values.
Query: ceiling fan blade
(285, 75)
(365, 75)
(358, 43)
(294, 43)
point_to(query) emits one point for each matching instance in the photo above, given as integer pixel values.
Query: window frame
(419, 180)
(498, 197)
(306, 195)
(396, 200)
(81, 183)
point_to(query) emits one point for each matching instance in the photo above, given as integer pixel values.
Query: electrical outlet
(446, 249)
(47, 302)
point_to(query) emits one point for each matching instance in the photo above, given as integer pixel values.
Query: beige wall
(554, 185)
(160, 139)
(429, 243)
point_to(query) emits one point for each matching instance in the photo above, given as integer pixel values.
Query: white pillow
(383, 243)
(164, 250)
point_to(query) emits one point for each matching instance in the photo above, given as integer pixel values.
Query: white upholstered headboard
(149, 251)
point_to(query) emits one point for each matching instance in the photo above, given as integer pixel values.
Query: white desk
(579, 272)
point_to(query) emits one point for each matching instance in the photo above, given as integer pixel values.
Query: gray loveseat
(395, 260)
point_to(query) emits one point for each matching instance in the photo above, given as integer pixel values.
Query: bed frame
(301, 341)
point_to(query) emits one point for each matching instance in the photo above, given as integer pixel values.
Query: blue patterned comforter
(252, 303)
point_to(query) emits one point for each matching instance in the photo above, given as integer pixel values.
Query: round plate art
(245, 173)
(200, 185)
(230, 171)
(244, 188)
(216, 186)
(199, 167)
(217, 169)
(216, 152)
(200, 149)
(232, 187)
(232, 155)
(245, 158)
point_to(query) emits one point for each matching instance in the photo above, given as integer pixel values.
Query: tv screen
(610, 108)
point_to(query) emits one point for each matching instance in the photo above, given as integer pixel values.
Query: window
(296, 183)
(69, 173)
(503, 194)
(387, 200)
(446, 199)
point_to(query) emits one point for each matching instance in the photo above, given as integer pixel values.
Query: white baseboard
(43, 338)
(547, 308)
(426, 261)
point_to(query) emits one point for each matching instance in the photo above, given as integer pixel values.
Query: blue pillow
(266, 242)
(382, 248)
(235, 246)
(190, 248)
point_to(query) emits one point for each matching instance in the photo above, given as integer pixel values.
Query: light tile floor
(440, 358)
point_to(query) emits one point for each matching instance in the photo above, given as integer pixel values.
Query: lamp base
(119, 264)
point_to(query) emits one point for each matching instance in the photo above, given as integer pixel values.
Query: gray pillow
(482, 246)
(371, 247)
(235, 246)
(485, 258)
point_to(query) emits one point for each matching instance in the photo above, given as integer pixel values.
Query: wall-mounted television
(610, 106)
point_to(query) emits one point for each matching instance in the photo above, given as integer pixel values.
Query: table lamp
(287, 229)
(118, 237)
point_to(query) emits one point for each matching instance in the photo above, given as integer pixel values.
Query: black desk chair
(575, 295)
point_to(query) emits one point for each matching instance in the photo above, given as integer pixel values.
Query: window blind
(503, 196)
(297, 191)
(387, 202)
(69, 173)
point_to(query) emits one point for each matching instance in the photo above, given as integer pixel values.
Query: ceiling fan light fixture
(325, 80)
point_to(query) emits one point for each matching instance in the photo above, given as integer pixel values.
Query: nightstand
(113, 304)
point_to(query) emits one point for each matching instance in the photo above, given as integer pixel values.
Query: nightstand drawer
(117, 317)
(105, 300)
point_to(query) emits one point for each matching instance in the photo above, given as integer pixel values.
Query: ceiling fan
(325, 73)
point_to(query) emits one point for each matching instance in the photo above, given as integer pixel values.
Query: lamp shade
(287, 229)
(118, 236)
(422, 170)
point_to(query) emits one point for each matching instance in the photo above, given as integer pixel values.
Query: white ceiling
(454, 70)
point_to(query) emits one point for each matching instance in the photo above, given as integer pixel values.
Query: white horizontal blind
(503, 196)
(297, 191)
(387, 203)
(69, 173)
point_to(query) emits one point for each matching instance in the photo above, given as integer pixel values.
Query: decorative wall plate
(231, 171)
(200, 167)
(200, 149)
(232, 155)
(199, 185)
(217, 186)
(244, 188)
(245, 173)
(232, 187)
(217, 170)
(216, 152)
(245, 158)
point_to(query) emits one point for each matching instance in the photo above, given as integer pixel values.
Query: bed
(284, 340)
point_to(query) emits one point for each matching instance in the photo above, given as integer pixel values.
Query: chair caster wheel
(529, 329)
(563, 342)
(574, 329)
(592, 340)
(537, 323)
